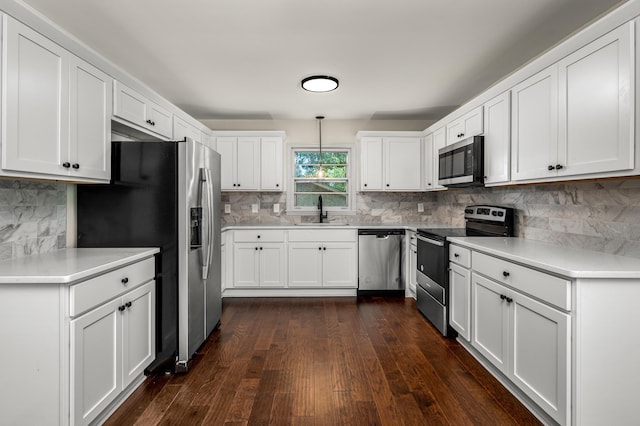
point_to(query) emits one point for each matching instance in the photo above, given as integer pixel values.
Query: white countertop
(568, 262)
(69, 265)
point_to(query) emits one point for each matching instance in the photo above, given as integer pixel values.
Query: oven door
(431, 271)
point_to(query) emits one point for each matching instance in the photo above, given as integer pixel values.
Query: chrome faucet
(325, 215)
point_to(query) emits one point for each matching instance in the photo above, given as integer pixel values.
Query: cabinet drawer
(328, 235)
(98, 290)
(460, 255)
(259, 235)
(551, 289)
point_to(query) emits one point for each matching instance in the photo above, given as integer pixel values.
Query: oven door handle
(430, 241)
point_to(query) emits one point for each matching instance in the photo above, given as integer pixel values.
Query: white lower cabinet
(322, 264)
(528, 341)
(111, 346)
(259, 265)
(460, 300)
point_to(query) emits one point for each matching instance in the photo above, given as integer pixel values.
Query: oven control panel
(489, 213)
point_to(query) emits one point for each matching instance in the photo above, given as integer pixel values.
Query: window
(334, 186)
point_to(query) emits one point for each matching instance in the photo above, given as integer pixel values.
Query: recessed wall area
(596, 215)
(33, 217)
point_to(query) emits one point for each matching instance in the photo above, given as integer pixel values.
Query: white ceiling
(244, 59)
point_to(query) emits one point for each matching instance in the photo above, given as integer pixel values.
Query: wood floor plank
(325, 361)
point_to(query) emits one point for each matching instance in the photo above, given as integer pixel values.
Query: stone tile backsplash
(33, 217)
(598, 215)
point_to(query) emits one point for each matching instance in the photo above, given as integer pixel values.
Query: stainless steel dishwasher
(380, 261)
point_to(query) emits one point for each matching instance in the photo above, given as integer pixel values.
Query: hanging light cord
(320, 118)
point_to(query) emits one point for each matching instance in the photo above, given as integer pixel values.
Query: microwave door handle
(204, 192)
(430, 241)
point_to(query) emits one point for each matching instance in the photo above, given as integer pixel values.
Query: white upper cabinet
(465, 127)
(577, 116)
(371, 164)
(439, 142)
(251, 163)
(182, 129)
(597, 106)
(271, 167)
(58, 109)
(390, 163)
(135, 108)
(534, 121)
(497, 139)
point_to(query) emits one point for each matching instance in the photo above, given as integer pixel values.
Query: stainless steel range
(432, 272)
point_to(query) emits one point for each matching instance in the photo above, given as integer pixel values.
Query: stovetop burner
(480, 221)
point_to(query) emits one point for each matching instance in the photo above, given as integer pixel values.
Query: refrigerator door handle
(210, 207)
(206, 245)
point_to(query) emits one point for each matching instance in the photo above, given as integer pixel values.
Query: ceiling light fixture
(320, 83)
(320, 172)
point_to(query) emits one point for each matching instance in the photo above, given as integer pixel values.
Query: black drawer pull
(505, 274)
(125, 280)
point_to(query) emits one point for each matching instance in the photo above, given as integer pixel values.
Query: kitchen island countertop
(69, 265)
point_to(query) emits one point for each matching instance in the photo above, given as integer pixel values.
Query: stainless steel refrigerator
(167, 195)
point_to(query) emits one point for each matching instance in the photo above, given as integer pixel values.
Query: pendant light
(320, 172)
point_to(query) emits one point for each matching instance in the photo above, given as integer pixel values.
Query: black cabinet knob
(559, 167)
(66, 164)
(456, 255)
(429, 184)
(324, 248)
(121, 308)
(551, 167)
(76, 166)
(238, 185)
(125, 280)
(256, 248)
(509, 300)
(388, 185)
(260, 248)
(277, 185)
(258, 236)
(319, 248)
(128, 304)
(505, 274)
(365, 185)
(502, 296)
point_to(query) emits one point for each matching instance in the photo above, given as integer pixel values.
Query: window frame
(291, 178)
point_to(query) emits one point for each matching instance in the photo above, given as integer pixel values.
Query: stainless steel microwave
(462, 164)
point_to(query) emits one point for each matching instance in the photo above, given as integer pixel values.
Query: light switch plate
(276, 208)
(420, 207)
(254, 208)
(227, 208)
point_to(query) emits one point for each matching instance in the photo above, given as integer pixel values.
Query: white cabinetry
(528, 340)
(110, 347)
(497, 139)
(576, 116)
(259, 259)
(134, 108)
(390, 163)
(439, 142)
(460, 290)
(326, 258)
(57, 111)
(412, 263)
(86, 338)
(182, 129)
(465, 127)
(251, 163)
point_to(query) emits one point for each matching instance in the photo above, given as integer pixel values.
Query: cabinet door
(248, 163)
(403, 164)
(413, 265)
(36, 112)
(429, 178)
(455, 131)
(439, 141)
(597, 106)
(95, 361)
(470, 124)
(180, 129)
(490, 331)
(534, 121)
(497, 139)
(90, 106)
(305, 264)
(161, 120)
(339, 265)
(129, 104)
(246, 265)
(226, 147)
(138, 332)
(541, 354)
(272, 265)
(371, 164)
(460, 300)
(271, 164)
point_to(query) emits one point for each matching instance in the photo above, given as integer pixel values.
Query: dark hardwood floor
(325, 361)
